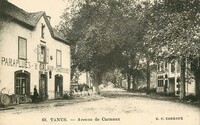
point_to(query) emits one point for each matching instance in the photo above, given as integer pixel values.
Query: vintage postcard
(99, 62)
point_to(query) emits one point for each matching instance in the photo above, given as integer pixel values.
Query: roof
(27, 19)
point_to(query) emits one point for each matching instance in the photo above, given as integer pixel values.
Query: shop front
(22, 85)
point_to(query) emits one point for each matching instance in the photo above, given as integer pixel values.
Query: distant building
(32, 54)
(85, 78)
(168, 77)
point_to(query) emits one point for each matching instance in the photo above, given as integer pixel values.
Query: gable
(28, 20)
(20, 15)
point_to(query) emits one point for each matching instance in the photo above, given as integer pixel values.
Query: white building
(168, 74)
(32, 54)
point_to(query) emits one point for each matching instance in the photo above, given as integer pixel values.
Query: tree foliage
(174, 28)
(106, 34)
(174, 31)
(110, 34)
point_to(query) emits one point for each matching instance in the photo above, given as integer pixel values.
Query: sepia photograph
(99, 62)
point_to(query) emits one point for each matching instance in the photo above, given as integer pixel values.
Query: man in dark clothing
(35, 95)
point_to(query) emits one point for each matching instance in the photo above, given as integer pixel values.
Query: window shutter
(47, 55)
(39, 53)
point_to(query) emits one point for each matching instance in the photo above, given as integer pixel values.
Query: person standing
(35, 95)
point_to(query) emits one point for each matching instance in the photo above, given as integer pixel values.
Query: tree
(106, 35)
(94, 33)
(174, 31)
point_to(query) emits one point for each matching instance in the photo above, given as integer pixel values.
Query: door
(43, 87)
(58, 86)
(22, 83)
(172, 85)
(166, 86)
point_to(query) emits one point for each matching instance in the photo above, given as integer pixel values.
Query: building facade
(32, 55)
(168, 78)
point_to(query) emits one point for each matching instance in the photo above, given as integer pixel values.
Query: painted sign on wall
(15, 62)
(25, 64)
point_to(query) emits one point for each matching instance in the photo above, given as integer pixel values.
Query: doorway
(166, 86)
(22, 83)
(43, 86)
(172, 85)
(58, 86)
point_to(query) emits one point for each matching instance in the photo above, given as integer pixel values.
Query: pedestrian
(35, 95)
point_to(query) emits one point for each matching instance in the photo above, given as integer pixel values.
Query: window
(173, 67)
(58, 58)
(162, 66)
(43, 54)
(160, 77)
(158, 66)
(22, 48)
(165, 64)
(160, 81)
(178, 67)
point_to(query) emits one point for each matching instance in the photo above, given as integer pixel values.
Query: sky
(53, 8)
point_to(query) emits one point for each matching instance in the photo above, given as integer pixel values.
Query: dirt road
(117, 107)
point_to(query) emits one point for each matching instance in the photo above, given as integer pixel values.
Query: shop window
(22, 83)
(58, 58)
(43, 54)
(22, 48)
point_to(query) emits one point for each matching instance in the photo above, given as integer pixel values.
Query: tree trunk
(196, 69)
(96, 88)
(120, 82)
(148, 77)
(87, 79)
(133, 83)
(137, 83)
(197, 84)
(198, 81)
(182, 85)
(129, 82)
(97, 82)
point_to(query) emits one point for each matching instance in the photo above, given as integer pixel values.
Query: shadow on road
(117, 92)
(121, 93)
